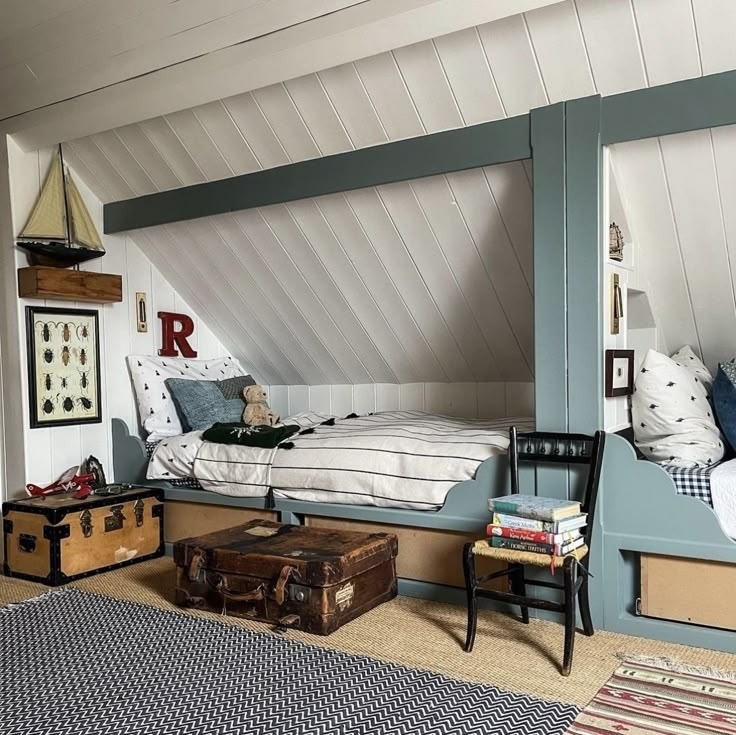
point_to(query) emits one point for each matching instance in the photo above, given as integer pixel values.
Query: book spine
(522, 534)
(516, 545)
(514, 521)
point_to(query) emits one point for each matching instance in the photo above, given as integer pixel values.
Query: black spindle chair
(540, 448)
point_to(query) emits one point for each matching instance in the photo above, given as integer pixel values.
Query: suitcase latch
(299, 593)
(85, 520)
(115, 521)
(138, 510)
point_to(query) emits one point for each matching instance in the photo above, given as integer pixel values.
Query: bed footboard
(643, 515)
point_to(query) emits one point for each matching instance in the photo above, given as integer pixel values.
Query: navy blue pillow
(724, 400)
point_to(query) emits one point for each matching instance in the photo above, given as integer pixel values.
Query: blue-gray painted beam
(679, 107)
(428, 155)
(550, 293)
(583, 157)
(584, 265)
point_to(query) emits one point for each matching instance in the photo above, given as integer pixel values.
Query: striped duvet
(400, 459)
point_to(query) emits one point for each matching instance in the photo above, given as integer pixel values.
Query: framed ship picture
(63, 366)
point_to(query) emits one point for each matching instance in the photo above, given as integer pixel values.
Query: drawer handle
(27, 543)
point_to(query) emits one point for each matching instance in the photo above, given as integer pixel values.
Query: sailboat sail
(48, 220)
(60, 231)
(83, 230)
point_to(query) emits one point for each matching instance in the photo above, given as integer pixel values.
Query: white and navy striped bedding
(400, 459)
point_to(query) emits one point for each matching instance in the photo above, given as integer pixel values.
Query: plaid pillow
(232, 388)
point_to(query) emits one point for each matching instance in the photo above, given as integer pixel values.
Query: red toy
(68, 482)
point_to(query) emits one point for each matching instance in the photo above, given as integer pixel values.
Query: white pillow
(688, 359)
(157, 410)
(672, 417)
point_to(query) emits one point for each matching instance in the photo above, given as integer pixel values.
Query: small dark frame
(611, 357)
(32, 314)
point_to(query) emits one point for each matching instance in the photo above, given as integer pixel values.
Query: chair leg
(518, 587)
(570, 619)
(584, 602)
(470, 586)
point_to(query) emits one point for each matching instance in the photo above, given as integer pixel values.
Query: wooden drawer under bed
(696, 591)
(427, 555)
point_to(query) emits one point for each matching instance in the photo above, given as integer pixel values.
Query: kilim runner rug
(76, 662)
(660, 697)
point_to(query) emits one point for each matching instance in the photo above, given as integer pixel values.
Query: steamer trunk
(56, 539)
(313, 579)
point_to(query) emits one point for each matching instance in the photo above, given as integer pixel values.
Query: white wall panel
(465, 400)
(668, 39)
(50, 451)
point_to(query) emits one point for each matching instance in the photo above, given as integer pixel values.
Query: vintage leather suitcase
(57, 538)
(313, 579)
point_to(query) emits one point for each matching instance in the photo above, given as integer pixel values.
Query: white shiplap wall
(50, 451)
(680, 191)
(467, 400)
(384, 286)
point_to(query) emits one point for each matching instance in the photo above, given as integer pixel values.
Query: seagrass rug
(78, 662)
(661, 697)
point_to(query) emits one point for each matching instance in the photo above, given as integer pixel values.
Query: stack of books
(536, 525)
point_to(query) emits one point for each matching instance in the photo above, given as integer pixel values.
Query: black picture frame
(58, 397)
(612, 357)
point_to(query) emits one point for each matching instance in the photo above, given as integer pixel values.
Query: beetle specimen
(48, 355)
(86, 403)
(47, 406)
(45, 331)
(83, 379)
(65, 355)
(83, 356)
(47, 380)
(66, 334)
(68, 404)
(64, 382)
(83, 331)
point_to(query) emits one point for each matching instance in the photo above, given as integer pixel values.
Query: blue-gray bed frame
(640, 509)
(465, 509)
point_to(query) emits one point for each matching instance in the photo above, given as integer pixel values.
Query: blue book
(534, 506)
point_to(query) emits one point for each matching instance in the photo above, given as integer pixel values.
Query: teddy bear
(257, 411)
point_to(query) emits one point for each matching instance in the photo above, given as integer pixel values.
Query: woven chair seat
(483, 548)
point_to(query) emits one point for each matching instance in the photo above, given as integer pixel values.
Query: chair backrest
(542, 447)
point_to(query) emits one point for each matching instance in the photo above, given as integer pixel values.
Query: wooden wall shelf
(37, 282)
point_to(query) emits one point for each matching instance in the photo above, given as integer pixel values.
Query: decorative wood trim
(37, 282)
(427, 155)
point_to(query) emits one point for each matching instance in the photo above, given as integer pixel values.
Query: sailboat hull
(57, 254)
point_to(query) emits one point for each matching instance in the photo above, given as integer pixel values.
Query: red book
(523, 534)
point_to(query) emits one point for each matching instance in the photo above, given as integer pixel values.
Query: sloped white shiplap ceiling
(425, 280)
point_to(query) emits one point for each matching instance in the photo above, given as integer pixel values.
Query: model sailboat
(60, 231)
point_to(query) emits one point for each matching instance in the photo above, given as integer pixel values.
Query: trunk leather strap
(256, 594)
(283, 580)
(196, 565)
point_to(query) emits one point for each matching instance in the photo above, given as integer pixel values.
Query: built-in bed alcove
(410, 290)
(670, 561)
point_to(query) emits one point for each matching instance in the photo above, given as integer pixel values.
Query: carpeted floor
(428, 635)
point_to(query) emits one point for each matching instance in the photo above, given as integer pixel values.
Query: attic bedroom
(377, 351)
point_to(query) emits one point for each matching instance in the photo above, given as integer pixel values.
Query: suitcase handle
(220, 585)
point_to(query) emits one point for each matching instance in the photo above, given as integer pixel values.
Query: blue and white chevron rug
(76, 663)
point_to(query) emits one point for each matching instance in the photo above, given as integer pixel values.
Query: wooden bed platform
(429, 564)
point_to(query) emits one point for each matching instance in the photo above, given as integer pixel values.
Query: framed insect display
(63, 366)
